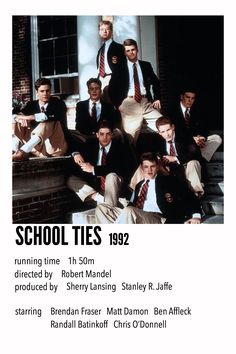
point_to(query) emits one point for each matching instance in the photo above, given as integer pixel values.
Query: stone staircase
(213, 202)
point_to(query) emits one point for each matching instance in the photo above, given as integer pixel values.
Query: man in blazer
(41, 127)
(109, 55)
(93, 110)
(180, 154)
(155, 200)
(189, 120)
(94, 178)
(130, 91)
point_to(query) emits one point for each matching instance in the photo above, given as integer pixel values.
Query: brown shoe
(20, 155)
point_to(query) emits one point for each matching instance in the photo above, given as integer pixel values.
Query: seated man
(100, 168)
(178, 151)
(41, 126)
(190, 121)
(155, 200)
(179, 154)
(93, 110)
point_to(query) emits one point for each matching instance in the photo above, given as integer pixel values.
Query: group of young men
(124, 105)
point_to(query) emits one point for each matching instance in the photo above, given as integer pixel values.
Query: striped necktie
(172, 149)
(94, 111)
(187, 117)
(102, 62)
(103, 162)
(142, 196)
(137, 92)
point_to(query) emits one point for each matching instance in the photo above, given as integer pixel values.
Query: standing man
(109, 55)
(100, 168)
(41, 126)
(187, 119)
(130, 90)
(155, 200)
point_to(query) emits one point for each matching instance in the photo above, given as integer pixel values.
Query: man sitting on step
(156, 200)
(101, 168)
(41, 127)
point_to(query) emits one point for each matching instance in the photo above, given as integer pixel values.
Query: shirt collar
(107, 148)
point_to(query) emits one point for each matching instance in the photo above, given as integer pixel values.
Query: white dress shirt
(131, 78)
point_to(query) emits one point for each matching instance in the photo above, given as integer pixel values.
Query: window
(58, 50)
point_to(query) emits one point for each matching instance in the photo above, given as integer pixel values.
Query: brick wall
(21, 52)
(40, 194)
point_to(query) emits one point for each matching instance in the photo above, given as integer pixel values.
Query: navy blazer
(176, 202)
(87, 125)
(115, 55)
(197, 126)
(56, 110)
(119, 83)
(186, 148)
(117, 161)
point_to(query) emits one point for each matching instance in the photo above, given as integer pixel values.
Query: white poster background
(198, 260)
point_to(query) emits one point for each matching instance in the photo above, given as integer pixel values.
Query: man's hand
(200, 141)
(23, 120)
(169, 159)
(157, 104)
(87, 167)
(193, 221)
(78, 158)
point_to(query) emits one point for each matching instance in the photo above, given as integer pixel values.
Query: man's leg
(211, 145)
(80, 187)
(52, 137)
(131, 114)
(112, 189)
(105, 214)
(193, 175)
(133, 215)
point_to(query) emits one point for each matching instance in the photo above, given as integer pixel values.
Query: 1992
(119, 238)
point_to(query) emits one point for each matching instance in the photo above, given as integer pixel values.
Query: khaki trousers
(113, 185)
(52, 143)
(105, 214)
(133, 114)
(211, 145)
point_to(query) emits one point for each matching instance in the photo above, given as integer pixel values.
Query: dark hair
(130, 41)
(162, 121)
(185, 89)
(108, 23)
(149, 156)
(94, 80)
(104, 124)
(42, 81)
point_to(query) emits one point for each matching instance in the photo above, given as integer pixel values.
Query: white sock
(99, 198)
(34, 140)
(15, 143)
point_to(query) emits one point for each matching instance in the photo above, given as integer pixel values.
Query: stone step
(213, 219)
(214, 169)
(82, 217)
(215, 186)
(213, 205)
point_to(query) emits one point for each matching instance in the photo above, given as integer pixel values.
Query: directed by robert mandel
(86, 276)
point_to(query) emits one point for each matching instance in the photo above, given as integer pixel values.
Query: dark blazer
(117, 161)
(119, 83)
(176, 202)
(186, 148)
(56, 110)
(115, 55)
(197, 126)
(86, 124)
